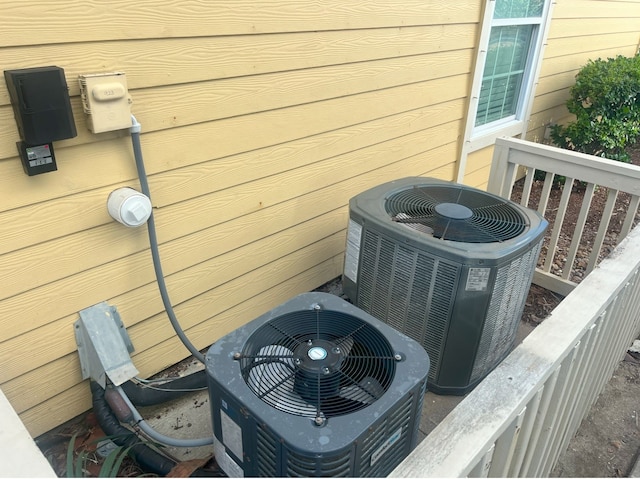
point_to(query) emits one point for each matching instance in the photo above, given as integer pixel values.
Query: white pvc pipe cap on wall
(129, 207)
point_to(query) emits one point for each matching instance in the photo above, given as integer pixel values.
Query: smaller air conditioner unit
(446, 264)
(315, 387)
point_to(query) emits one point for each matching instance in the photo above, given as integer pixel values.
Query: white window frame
(478, 137)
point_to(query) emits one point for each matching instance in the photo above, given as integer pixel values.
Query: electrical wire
(159, 388)
(153, 241)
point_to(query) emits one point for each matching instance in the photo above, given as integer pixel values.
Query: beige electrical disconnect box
(106, 101)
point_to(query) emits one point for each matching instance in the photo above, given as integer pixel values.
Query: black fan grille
(317, 363)
(456, 213)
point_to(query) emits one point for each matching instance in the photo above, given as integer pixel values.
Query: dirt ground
(608, 440)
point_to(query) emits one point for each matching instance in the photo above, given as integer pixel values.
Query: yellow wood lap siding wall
(260, 120)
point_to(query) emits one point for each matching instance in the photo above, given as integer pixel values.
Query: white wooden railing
(520, 418)
(513, 158)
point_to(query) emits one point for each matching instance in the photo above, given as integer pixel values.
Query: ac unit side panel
(248, 445)
(466, 328)
(411, 290)
(500, 308)
(505, 311)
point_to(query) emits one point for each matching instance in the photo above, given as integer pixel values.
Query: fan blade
(407, 220)
(345, 344)
(270, 368)
(366, 391)
(272, 378)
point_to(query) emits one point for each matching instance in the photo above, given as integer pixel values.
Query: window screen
(514, 30)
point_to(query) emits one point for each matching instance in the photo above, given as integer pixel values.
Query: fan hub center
(317, 356)
(317, 353)
(453, 211)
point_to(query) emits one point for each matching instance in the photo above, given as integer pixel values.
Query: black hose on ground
(142, 395)
(147, 458)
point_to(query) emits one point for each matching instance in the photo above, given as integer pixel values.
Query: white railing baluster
(629, 217)
(526, 436)
(505, 447)
(557, 225)
(602, 230)
(546, 192)
(561, 416)
(482, 468)
(528, 183)
(578, 230)
(537, 442)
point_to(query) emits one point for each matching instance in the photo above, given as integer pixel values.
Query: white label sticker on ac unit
(352, 255)
(224, 460)
(478, 279)
(231, 434)
(377, 454)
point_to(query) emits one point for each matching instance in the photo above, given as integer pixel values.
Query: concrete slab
(188, 417)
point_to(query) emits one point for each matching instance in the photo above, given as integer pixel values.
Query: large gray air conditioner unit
(446, 264)
(315, 387)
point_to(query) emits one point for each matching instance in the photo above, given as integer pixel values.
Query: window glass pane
(503, 72)
(518, 8)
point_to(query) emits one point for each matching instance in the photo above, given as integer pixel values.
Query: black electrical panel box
(41, 105)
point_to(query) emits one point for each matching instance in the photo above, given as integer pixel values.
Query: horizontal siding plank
(621, 42)
(553, 83)
(570, 27)
(41, 222)
(57, 410)
(90, 21)
(551, 100)
(185, 183)
(89, 167)
(172, 61)
(595, 9)
(572, 61)
(39, 385)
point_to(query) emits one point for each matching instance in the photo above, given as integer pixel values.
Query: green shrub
(606, 102)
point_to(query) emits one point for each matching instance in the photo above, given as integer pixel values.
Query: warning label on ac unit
(352, 255)
(478, 279)
(224, 460)
(231, 434)
(378, 453)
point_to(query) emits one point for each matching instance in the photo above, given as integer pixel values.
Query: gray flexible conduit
(153, 241)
